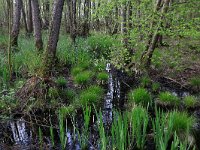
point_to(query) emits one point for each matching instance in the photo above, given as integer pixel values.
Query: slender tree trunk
(46, 9)
(37, 25)
(124, 24)
(24, 17)
(29, 18)
(9, 3)
(116, 21)
(149, 53)
(17, 6)
(50, 52)
(86, 25)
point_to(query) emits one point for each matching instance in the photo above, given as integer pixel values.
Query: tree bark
(149, 53)
(17, 6)
(37, 25)
(46, 9)
(50, 52)
(24, 17)
(29, 18)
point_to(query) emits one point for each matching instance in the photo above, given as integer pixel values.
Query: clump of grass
(61, 81)
(182, 122)
(92, 94)
(83, 77)
(169, 99)
(70, 94)
(145, 81)
(53, 92)
(67, 110)
(139, 96)
(76, 70)
(195, 82)
(155, 87)
(102, 76)
(190, 101)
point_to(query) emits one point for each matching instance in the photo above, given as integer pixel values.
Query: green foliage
(92, 95)
(169, 98)
(61, 81)
(119, 131)
(100, 44)
(139, 121)
(67, 110)
(195, 82)
(182, 122)
(53, 92)
(155, 87)
(102, 132)
(190, 101)
(162, 127)
(145, 81)
(70, 94)
(140, 96)
(76, 70)
(4, 73)
(83, 78)
(62, 128)
(120, 57)
(102, 76)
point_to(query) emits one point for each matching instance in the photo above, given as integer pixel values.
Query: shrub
(91, 95)
(100, 44)
(190, 101)
(61, 81)
(139, 96)
(83, 77)
(102, 76)
(169, 98)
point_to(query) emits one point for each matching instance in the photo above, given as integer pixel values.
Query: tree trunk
(50, 52)
(17, 6)
(37, 25)
(124, 24)
(86, 26)
(46, 9)
(24, 18)
(29, 18)
(149, 53)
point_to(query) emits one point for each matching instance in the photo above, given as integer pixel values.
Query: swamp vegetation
(100, 75)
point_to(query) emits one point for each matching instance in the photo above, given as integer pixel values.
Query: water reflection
(21, 135)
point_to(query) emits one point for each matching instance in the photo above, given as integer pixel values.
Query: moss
(139, 96)
(169, 98)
